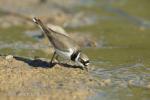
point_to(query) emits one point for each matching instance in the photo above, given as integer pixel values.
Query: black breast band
(74, 55)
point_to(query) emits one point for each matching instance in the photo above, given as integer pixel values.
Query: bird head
(82, 60)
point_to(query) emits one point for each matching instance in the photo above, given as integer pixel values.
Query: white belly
(65, 55)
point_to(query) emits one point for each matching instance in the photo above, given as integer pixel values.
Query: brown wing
(62, 42)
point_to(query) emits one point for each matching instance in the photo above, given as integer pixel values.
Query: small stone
(102, 84)
(130, 82)
(107, 81)
(9, 57)
(148, 86)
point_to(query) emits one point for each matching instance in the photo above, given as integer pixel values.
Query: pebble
(105, 82)
(130, 82)
(9, 57)
(148, 86)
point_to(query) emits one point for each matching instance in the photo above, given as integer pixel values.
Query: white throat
(76, 59)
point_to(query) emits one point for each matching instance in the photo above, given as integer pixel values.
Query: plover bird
(64, 46)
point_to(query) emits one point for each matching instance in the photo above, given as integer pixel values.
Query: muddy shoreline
(25, 77)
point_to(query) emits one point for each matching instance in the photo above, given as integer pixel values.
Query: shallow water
(123, 52)
(122, 31)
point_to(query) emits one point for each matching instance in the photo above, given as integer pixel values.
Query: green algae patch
(14, 34)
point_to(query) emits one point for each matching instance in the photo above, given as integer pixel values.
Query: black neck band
(74, 55)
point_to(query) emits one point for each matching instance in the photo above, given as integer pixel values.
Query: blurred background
(114, 33)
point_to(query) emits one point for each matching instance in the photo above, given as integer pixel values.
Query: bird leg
(52, 57)
(57, 58)
(85, 68)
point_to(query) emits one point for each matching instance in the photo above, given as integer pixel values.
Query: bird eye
(87, 61)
